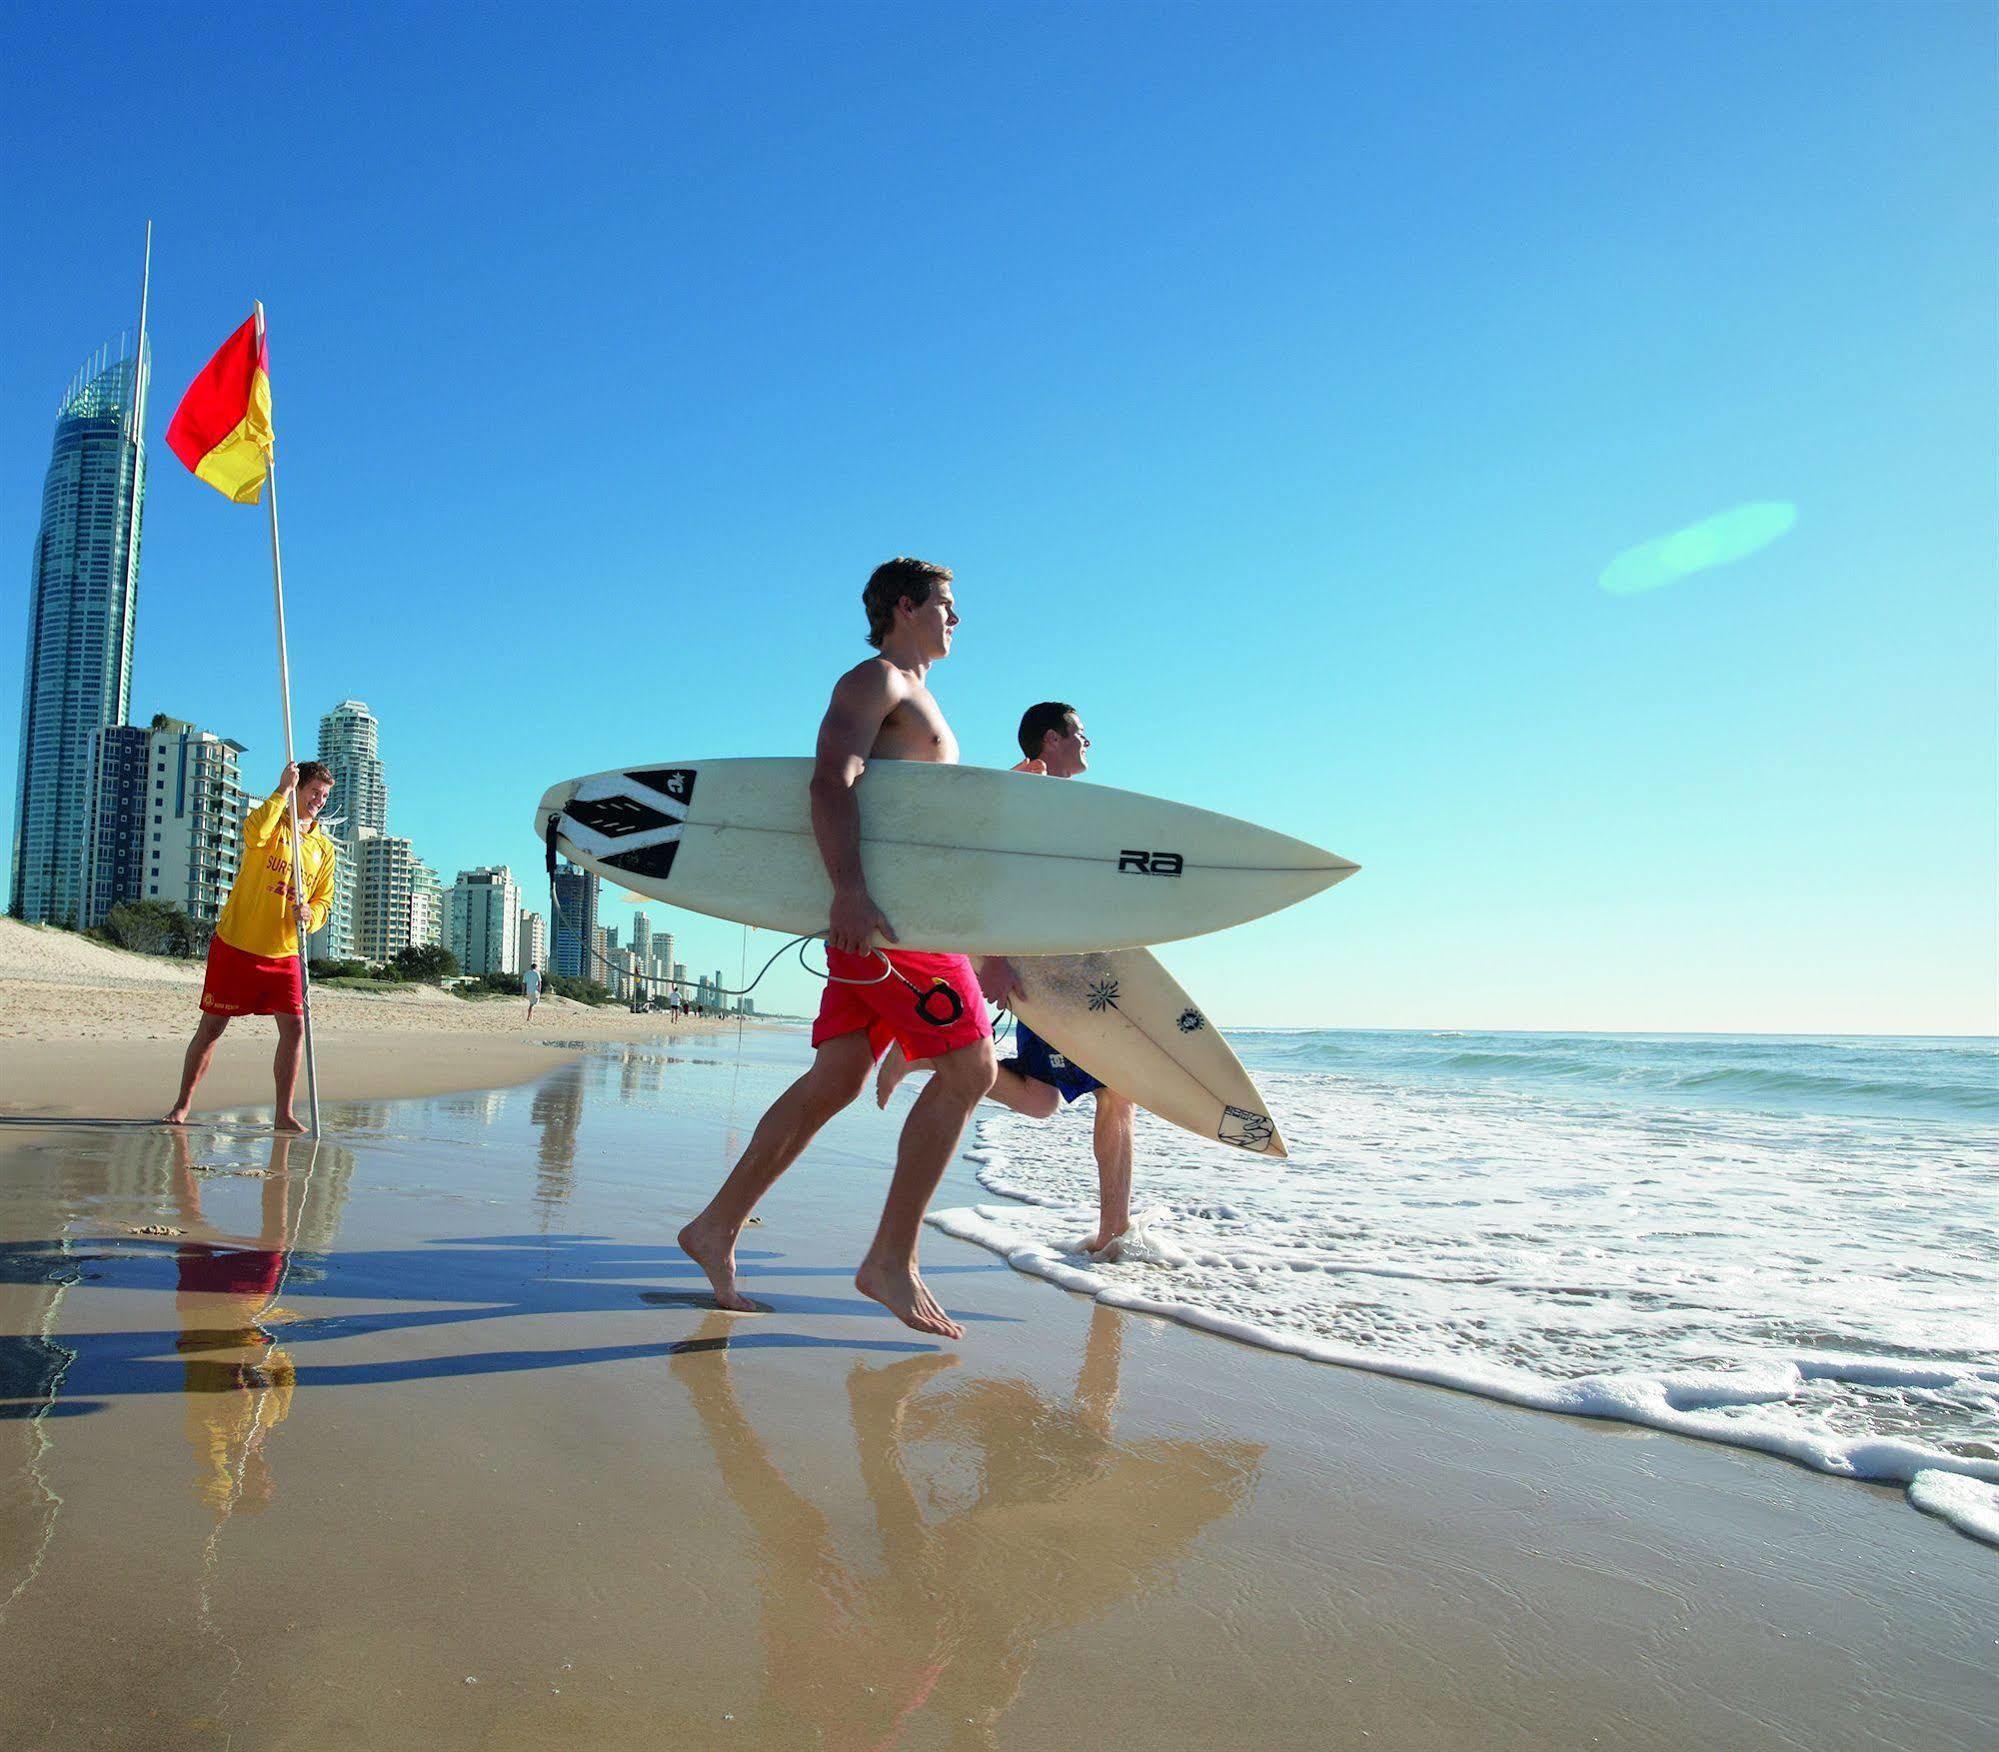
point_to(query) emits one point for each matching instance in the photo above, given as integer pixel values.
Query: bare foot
(895, 1285)
(714, 1251)
(1104, 1246)
(175, 1116)
(287, 1122)
(870, 1390)
(894, 1068)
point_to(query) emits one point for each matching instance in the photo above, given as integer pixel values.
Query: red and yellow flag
(222, 428)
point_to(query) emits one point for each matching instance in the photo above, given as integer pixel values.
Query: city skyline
(1377, 481)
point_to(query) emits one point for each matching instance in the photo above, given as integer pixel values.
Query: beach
(425, 1435)
(59, 990)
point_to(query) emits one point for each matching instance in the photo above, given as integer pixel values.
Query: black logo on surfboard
(1132, 863)
(1246, 1130)
(674, 782)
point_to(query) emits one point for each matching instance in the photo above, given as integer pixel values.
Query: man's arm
(260, 826)
(861, 703)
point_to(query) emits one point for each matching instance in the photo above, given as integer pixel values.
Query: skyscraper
(350, 750)
(574, 900)
(82, 598)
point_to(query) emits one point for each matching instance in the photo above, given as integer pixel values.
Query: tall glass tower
(82, 598)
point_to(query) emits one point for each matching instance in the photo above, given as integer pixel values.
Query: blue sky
(1280, 382)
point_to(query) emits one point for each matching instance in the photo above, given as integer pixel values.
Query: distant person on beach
(531, 988)
(881, 710)
(254, 957)
(1037, 1081)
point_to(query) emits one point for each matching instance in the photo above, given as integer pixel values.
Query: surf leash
(940, 1006)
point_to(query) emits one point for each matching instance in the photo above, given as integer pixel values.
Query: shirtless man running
(881, 710)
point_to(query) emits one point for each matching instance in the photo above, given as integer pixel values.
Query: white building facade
(483, 919)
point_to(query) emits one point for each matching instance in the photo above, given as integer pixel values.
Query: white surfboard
(1128, 1022)
(957, 858)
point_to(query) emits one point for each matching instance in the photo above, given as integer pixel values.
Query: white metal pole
(285, 704)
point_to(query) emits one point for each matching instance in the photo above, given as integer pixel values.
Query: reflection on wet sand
(557, 1112)
(237, 1377)
(1061, 1522)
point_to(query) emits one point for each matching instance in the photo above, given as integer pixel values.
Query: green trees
(153, 927)
(425, 961)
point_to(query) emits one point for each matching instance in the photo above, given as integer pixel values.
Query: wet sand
(423, 1437)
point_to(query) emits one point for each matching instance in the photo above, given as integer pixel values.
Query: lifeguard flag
(222, 428)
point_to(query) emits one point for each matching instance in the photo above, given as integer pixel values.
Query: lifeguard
(254, 966)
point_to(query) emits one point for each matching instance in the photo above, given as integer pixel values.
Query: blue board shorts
(1035, 1058)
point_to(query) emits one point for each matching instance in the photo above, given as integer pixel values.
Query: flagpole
(285, 702)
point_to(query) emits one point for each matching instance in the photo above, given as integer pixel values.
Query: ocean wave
(1926, 1079)
(1705, 1404)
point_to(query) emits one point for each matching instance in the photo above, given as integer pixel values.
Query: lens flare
(1720, 540)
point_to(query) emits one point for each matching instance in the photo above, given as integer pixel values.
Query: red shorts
(229, 1271)
(886, 1007)
(242, 984)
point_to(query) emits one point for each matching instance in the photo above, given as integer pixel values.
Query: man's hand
(1031, 766)
(855, 921)
(998, 980)
(303, 914)
(288, 779)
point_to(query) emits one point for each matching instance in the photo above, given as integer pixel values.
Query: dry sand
(58, 990)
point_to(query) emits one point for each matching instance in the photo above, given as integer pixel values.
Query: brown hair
(894, 581)
(308, 770)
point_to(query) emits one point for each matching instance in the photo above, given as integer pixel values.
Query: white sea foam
(1822, 1286)
(1971, 1505)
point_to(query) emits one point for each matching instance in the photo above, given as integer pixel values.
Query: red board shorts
(886, 1007)
(229, 1271)
(242, 984)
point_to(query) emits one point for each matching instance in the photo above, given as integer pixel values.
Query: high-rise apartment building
(168, 818)
(121, 803)
(350, 749)
(336, 940)
(533, 950)
(483, 921)
(642, 939)
(82, 599)
(574, 901)
(426, 904)
(385, 876)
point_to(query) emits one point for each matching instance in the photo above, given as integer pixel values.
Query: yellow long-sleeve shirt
(258, 916)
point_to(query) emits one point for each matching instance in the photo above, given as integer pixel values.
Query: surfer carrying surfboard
(928, 1004)
(1038, 1081)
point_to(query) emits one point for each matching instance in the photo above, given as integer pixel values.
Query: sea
(1789, 1244)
